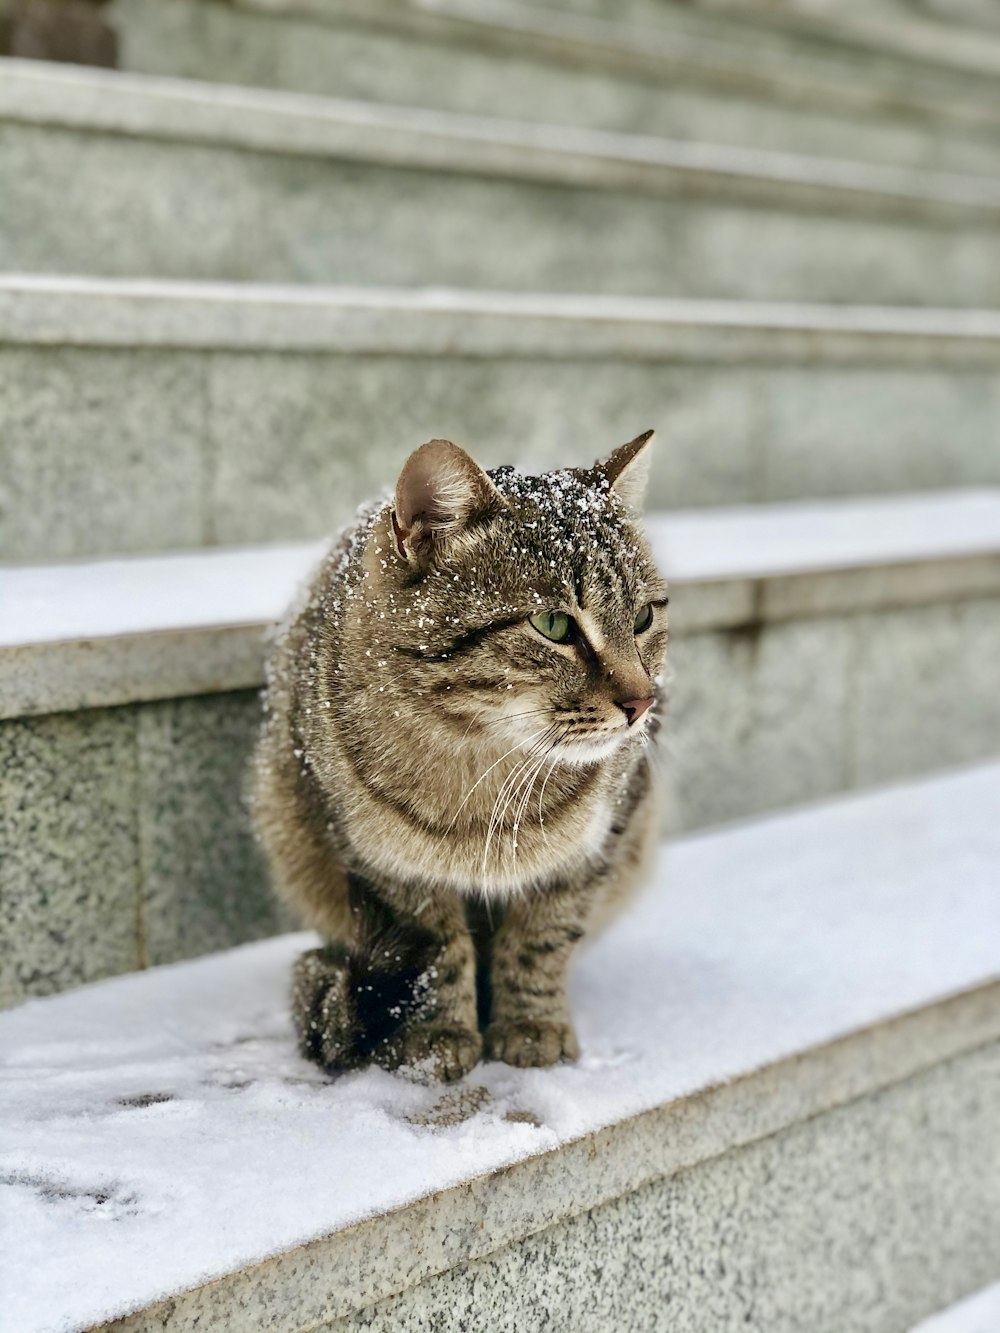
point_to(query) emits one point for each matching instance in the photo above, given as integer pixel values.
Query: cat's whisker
(516, 800)
(505, 787)
(527, 786)
(502, 801)
(522, 808)
(483, 776)
(507, 791)
(545, 783)
(505, 717)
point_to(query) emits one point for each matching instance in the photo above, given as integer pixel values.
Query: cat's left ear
(627, 470)
(441, 489)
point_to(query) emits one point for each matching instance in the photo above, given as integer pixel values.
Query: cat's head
(524, 610)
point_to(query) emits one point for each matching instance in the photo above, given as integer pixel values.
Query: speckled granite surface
(606, 75)
(276, 188)
(125, 841)
(864, 1219)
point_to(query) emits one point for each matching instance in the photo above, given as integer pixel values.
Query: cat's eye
(644, 619)
(554, 625)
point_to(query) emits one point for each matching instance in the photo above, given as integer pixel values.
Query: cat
(453, 782)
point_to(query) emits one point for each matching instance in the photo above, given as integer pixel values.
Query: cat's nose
(634, 708)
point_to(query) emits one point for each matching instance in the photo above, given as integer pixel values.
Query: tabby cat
(453, 783)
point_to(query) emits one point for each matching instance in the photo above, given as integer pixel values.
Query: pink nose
(634, 708)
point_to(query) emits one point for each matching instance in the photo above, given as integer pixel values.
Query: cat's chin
(578, 752)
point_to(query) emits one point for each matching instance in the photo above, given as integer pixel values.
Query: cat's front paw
(323, 1008)
(431, 1052)
(530, 1044)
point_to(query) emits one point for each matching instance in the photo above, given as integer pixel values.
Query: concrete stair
(783, 1117)
(956, 35)
(158, 415)
(816, 647)
(124, 175)
(953, 34)
(681, 73)
(775, 235)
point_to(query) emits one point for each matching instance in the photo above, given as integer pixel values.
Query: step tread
(761, 967)
(104, 631)
(33, 92)
(53, 310)
(714, 43)
(95, 599)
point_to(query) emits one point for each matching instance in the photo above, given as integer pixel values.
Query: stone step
(143, 416)
(784, 1117)
(960, 35)
(979, 1313)
(815, 648)
(130, 175)
(715, 79)
(922, 36)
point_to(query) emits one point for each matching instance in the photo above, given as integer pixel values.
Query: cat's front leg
(529, 1019)
(323, 1009)
(426, 937)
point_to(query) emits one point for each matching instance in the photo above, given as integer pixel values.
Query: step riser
(163, 864)
(87, 201)
(345, 58)
(826, 1225)
(901, 44)
(117, 450)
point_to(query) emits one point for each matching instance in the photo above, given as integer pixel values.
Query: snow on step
(114, 631)
(976, 1314)
(160, 1129)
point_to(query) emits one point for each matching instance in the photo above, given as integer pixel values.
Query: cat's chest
(490, 846)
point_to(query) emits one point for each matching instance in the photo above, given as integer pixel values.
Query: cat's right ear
(440, 490)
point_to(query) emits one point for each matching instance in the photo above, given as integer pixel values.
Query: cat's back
(311, 631)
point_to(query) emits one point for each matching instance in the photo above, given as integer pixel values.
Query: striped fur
(450, 798)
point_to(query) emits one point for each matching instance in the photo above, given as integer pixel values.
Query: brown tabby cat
(453, 770)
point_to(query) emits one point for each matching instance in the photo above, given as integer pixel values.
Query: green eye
(555, 625)
(644, 619)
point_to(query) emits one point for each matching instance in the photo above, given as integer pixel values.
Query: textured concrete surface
(907, 712)
(757, 719)
(84, 311)
(870, 432)
(799, 711)
(100, 450)
(69, 852)
(274, 188)
(865, 1218)
(343, 421)
(900, 39)
(204, 882)
(566, 71)
(261, 416)
(850, 61)
(125, 841)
